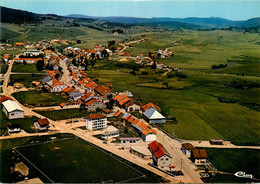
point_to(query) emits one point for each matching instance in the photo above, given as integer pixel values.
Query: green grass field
(90, 165)
(25, 123)
(232, 161)
(28, 68)
(64, 114)
(194, 126)
(44, 99)
(26, 80)
(200, 99)
(3, 68)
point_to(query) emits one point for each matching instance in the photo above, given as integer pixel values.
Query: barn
(12, 109)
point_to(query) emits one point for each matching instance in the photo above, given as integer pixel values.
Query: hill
(211, 22)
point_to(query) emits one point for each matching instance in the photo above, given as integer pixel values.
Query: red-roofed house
(58, 87)
(102, 90)
(151, 105)
(93, 103)
(160, 156)
(42, 124)
(96, 121)
(131, 107)
(90, 86)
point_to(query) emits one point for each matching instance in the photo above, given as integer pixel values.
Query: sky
(230, 9)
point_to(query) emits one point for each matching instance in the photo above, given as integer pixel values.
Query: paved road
(227, 144)
(180, 160)
(65, 76)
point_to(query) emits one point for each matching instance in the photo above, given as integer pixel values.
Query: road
(65, 76)
(227, 144)
(179, 160)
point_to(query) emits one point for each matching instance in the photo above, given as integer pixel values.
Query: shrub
(144, 73)
(218, 66)
(180, 75)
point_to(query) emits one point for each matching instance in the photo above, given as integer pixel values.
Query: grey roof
(10, 106)
(152, 113)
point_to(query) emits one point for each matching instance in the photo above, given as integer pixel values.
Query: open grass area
(234, 118)
(64, 114)
(90, 165)
(28, 68)
(3, 68)
(232, 161)
(26, 80)
(25, 123)
(194, 126)
(44, 99)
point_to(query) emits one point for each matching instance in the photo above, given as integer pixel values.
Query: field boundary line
(33, 165)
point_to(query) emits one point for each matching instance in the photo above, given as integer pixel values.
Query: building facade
(96, 122)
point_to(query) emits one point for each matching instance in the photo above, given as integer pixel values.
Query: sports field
(82, 164)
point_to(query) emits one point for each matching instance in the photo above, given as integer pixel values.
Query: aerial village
(115, 120)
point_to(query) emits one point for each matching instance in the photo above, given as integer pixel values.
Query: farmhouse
(151, 105)
(131, 107)
(58, 87)
(110, 132)
(153, 116)
(199, 156)
(141, 151)
(12, 109)
(160, 156)
(42, 124)
(187, 148)
(92, 104)
(96, 121)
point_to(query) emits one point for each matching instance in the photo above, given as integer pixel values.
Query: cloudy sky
(230, 9)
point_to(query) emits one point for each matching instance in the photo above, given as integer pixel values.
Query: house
(153, 116)
(22, 169)
(86, 97)
(58, 87)
(96, 121)
(67, 91)
(131, 107)
(199, 156)
(102, 90)
(110, 132)
(93, 104)
(148, 135)
(187, 148)
(160, 156)
(75, 95)
(151, 105)
(46, 79)
(141, 151)
(42, 124)
(107, 112)
(117, 113)
(13, 128)
(130, 140)
(90, 86)
(12, 109)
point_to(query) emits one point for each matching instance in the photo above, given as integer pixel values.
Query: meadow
(24, 79)
(64, 114)
(44, 99)
(27, 68)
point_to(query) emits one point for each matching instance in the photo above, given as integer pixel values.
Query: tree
(40, 65)
(74, 62)
(166, 84)
(92, 63)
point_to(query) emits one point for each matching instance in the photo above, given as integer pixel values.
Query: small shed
(22, 169)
